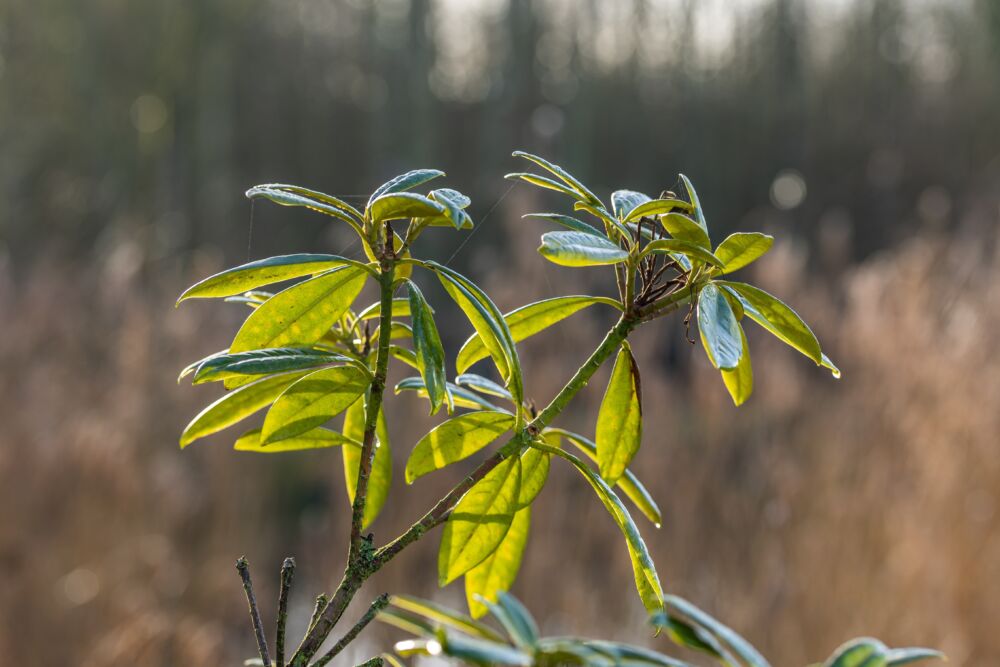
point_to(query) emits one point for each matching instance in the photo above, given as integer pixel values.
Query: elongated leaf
(194, 365)
(445, 616)
(480, 521)
(262, 272)
(400, 308)
(457, 396)
(619, 422)
(528, 320)
(860, 652)
(410, 179)
(692, 250)
(301, 314)
(380, 479)
(455, 440)
(646, 580)
(317, 438)
(237, 405)
(741, 248)
(623, 202)
(543, 182)
(561, 174)
(775, 316)
(453, 202)
(737, 644)
(268, 190)
(628, 483)
(657, 207)
(428, 349)
(625, 654)
(245, 365)
(534, 473)
(482, 652)
(313, 400)
(699, 212)
(601, 213)
(684, 228)
(904, 656)
(720, 332)
(403, 205)
(739, 381)
(580, 249)
(498, 572)
(483, 385)
(567, 221)
(515, 619)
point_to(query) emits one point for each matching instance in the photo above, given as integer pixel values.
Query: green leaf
(619, 422)
(293, 195)
(483, 385)
(313, 400)
(684, 228)
(826, 363)
(301, 314)
(534, 473)
(194, 365)
(699, 212)
(623, 202)
(904, 656)
(380, 479)
(263, 272)
(740, 249)
(624, 654)
(403, 205)
(480, 521)
(656, 207)
(498, 571)
(628, 483)
(488, 322)
(428, 349)
(646, 580)
(543, 182)
(528, 320)
(410, 179)
(567, 221)
(445, 616)
(737, 644)
(482, 652)
(692, 250)
(455, 440)
(720, 332)
(400, 308)
(453, 202)
(317, 438)
(457, 396)
(515, 619)
(580, 249)
(778, 318)
(739, 381)
(244, 365)
(237, 405)
(560, 173)
(602, 214)
(860, 652)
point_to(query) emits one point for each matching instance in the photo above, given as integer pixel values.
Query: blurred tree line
(853, 123)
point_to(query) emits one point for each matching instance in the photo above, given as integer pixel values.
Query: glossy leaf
(602, 214)
(619, 421)
(674, 246)
(720, 332)
(623, 202)
(403, 205)
(657, 207)
(262, 272)
(428, 349)
(498, 572)
(293, 195)
(684, 228)
(567, 221)
(301, 314)
(445, 616)
(580, 249)
(380, 479)
(775, 316)
(457, 396)
(534, 474)
(515, 619)
(561, 174)
(317, 438)
(455, 440)
(313, 400)
(483, 385)
(739, 381)
(237, 405)
(410, 179)
(699, 212)
(454, 202)
(740, 249)
(400, 308)
(543, 182)
(527, 321)
(741, 647)
(480, 521)
(482, 652)
(245, 365)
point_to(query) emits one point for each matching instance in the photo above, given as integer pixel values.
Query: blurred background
(864, 134)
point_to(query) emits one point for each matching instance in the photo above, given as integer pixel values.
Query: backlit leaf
(293, 195)
(400, 308)
(741, 248)
(428, 349)
(482, 652)
(619, 421)
(673, 246)
(498, 572)
(904, 656)
(245, 365)
(515, 619)
(543, 182)
(567, 221)
(317, 438)
(657, 207)
(403, 205)
(699, 212)
(741, 647)
(410, 179)
(720, 332)
(739, 381)
(580, 249)
(534, 473)
(262, 272)
(458, 396)
(775, 316)
(313, 400)
(380, 479)
(623, 202)
(454, 440)
(684, 228)
(453, 202)
(445, 616)
(560, 173)
(483, 385)
(860, 652)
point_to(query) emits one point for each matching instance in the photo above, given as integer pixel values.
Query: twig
(377, 661)
(287, 574)
(321, 601)
(376, 606)
(244, 569)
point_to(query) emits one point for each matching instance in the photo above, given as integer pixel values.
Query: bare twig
(287, 573)
(376, 606)
(321, 601)
(258, 627)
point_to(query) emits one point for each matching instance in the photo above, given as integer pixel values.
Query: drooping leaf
(293, 195)
(428, 349)
(317, 438)
(403, 205)
(380, 479)
(580, 249)
(515, 619)
(455, 440)
(739, 381)
(561, 174)
(483, 385)
(567, 221)
(445, 616)
(410, 179)
(237, 405)
(699, 212)
(741, 647)
(312, 400)
(720, 332)
(480, 521)
(628, 482)
(684, 228)
(740, 249)
(656, 207)
(528, 320)
(263, 272)
(482, 652)
(775, 316)
(245, 365)
(674, 246)
(457, 396)
(619, 421)
(623, 202)
(534, 473)
(301, 314)
(498, 571)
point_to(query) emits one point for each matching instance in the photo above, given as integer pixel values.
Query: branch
(287, 573)
(244, 569)
(378, 605)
